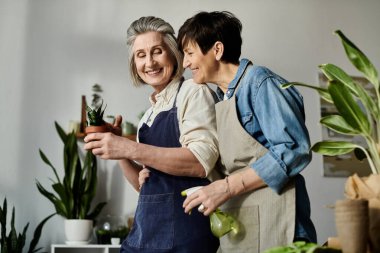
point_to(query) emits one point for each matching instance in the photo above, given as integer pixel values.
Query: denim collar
(234, 83)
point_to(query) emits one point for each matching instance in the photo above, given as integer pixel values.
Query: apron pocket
(248, 237)
(153, 227)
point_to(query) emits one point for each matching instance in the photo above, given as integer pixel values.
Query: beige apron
(267, 219)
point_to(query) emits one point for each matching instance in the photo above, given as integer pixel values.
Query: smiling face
(153, 60)
(203, 66)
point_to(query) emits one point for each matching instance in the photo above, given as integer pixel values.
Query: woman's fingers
(143, 175)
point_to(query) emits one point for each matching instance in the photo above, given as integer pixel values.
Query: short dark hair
(206, 28)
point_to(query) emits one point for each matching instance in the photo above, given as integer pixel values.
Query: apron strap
(179, 87)
(175, 99)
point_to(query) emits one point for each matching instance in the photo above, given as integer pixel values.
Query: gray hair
(153, 24)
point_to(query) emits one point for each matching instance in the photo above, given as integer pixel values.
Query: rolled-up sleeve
(198, 123)
(281, 118)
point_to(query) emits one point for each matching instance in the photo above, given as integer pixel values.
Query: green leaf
(324, 93)
(348, 108)
(333, 148)
(37, 234)
(333, 72)
(359, 60)
(96, 211)
(76, 191)
(62, 134)
(338, 124)
(46, 160)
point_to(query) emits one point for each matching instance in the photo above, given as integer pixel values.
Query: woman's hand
(116, 127)
(210, 196)
(143, 175)
(218, 192)
(109, 146)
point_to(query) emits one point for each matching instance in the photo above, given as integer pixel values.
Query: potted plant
(109, 227)
(302, 247)
(349, 98)
(13, 242)
(95, 122)
(74, 193)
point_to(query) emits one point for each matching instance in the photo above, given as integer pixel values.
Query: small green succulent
(95, 115)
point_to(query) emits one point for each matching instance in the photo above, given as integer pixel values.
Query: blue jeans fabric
(275, 117)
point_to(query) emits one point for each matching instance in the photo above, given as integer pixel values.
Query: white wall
(52, 52)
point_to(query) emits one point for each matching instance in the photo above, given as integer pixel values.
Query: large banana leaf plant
(75, 192)
(349, 97)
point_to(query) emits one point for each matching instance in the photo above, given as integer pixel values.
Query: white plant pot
(78, 231)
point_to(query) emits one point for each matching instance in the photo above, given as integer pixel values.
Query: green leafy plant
(75, 192)
(104, 236)
(95, 115)
(349, 97)
(302, 247)
(13, 242)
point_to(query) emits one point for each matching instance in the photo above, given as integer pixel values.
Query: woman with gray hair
(176, 142)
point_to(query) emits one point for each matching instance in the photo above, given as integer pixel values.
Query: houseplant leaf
(324, 93)
(348, 108)
(60, 206)
(37, 235)
(60, 132)
(46, 160)
(338, 124)
(76, 191)
(333, 72)
(359, 60)
(333, 148)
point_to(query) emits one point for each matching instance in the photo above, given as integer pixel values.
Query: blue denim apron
(160, 223)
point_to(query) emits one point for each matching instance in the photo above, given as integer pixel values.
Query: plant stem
(373, 156)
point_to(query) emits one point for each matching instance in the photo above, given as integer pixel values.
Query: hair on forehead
(153, 24)
(206, 28)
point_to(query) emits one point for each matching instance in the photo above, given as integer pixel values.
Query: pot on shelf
(78, 231)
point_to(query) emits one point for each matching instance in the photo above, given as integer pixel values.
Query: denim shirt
(275, 117)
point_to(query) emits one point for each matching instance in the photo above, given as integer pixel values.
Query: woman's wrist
(236, 184)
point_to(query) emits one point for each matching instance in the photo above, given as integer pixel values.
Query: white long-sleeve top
(196, 118)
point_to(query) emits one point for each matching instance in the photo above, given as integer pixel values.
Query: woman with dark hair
(263, 140)
(176, 142)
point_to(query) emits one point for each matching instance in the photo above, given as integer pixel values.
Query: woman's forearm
(174, 161)
(131, 172)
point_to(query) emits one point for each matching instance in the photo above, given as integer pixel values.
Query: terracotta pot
(96, 129)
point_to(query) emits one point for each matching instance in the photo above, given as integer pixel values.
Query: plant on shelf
(96, 96)
(104, 236)
(358, 114)
(74, 193)
(13, 242)
(109, 227)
